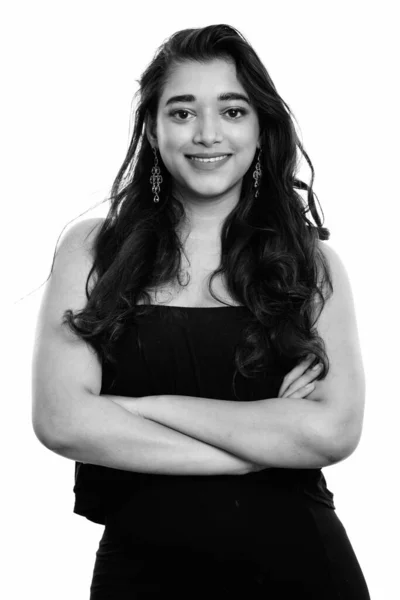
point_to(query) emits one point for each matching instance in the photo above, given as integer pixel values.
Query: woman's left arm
(311, 432)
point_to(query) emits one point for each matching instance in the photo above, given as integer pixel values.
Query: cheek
(173, 161)
(173, 149)
(172, 137)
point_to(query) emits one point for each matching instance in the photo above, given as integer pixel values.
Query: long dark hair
(270, 256)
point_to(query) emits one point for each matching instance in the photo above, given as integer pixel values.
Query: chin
(209, 192)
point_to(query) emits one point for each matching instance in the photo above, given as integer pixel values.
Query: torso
(204, 258)
(196, 293)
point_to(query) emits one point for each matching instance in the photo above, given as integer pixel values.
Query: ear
(151, 132)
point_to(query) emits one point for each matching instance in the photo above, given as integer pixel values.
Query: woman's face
(203, 124)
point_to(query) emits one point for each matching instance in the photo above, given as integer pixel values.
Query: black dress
(272, 534)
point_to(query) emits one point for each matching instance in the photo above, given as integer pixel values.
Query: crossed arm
(275, 432)
(283, 432)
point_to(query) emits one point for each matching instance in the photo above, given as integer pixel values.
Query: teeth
(208, 159)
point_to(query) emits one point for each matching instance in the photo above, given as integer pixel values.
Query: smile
(208, 163)
(215, 159)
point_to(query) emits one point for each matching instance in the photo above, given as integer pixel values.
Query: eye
(174, 113)
(236, 110)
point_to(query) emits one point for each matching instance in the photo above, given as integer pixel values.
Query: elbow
(55, 445)
(50, 434)
(48, 441)
(342, 441)
(60, 427)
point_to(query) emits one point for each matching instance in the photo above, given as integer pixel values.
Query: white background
(69, 71)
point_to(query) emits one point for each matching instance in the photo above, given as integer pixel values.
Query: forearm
(106, 434)
(275, 432)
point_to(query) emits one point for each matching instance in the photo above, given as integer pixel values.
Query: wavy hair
(271, 258)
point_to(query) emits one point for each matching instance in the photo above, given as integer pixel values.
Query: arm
(70, 417)
(112, 437)
(276, 432)
(283, 432)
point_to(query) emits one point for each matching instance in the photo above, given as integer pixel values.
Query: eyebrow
(221, 98)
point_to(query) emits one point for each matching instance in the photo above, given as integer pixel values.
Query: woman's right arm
(69, 415)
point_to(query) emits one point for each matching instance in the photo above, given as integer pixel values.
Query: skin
(331, 424)
(205, 126)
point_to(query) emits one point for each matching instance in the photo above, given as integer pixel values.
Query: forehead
(201, 79)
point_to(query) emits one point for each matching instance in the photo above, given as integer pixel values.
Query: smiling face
(202, 123)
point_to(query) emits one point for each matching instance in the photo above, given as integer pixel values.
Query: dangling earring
(257, 174)
(156, 178)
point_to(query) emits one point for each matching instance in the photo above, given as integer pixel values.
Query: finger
(295, 373)
(302, 392)
(308, 377)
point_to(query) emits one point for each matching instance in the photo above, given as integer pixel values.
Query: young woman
(197, 352)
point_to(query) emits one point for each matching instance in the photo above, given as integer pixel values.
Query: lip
(208, 154)
(208, 166)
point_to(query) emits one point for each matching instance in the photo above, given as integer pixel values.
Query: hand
(298, 382)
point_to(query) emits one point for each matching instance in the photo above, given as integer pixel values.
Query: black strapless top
(184, 351)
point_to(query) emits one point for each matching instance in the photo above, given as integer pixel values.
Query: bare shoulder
(340, 306)
(81, 235)
(75, 249)
(328, 251)
(72, 265)
(338, 271)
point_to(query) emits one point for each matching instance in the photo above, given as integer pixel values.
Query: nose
(208, 130)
